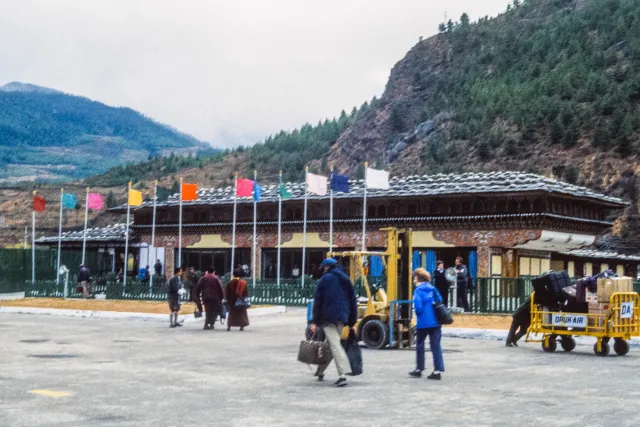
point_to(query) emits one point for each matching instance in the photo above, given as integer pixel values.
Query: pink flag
(94, 201)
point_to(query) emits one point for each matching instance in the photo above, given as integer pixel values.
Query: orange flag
(189, 192)
(39, 203)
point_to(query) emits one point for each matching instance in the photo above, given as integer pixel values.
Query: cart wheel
(553, 345)
(568, 343)
(621, 347)
(605, 349)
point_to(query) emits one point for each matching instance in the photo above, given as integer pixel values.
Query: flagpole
(255, 219)
(233, 232)
(364, 208)
(180, 229)
(279, 227)
(59, 239)
(153, 235)
(84, 235)
(331, 212)
(126, 244)
(304, 224)
(33, 244)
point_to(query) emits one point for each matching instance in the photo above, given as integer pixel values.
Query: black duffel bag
(443, 314)
(354, 354)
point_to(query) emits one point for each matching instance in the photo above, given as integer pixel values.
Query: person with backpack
(424, 298)
(84, 281)
(334, 306)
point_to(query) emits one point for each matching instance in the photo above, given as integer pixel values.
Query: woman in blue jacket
(424, 296)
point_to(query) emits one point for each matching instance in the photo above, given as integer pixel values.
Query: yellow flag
(135, 197)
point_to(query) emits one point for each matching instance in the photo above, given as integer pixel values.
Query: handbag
(443, 314)
(354, 354)
(242, 303)
(197, 314)
(314, 352)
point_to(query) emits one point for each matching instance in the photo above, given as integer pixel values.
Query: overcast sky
(227, 72)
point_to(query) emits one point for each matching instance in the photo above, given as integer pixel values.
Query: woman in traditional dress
(236, 294)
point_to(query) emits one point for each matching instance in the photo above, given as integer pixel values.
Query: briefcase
(314, 352)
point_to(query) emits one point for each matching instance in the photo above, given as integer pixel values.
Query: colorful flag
(377, 179)
(339, 183)
(39, 203)
(69, 201)
(317, 184)
(135, 197)
(189, 192)
(244, 187)
(94, 201)
(284, 193)
(257, 191)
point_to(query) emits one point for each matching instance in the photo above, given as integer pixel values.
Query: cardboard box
(602, 310)
(590, 297)
(609, 286)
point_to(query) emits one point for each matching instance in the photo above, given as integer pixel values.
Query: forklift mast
(399, 280)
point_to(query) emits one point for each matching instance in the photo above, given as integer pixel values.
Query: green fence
(15, 266)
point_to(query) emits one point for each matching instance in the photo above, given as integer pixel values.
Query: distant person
(424, 297)
(462, 282)
(441, 283)
(295, 273)
(143, 273)
(209, 290)
(520, 323)
(237, 289)
(247, 270)
(173, 295)
(334, 306)
(84, 281)
(158, 268)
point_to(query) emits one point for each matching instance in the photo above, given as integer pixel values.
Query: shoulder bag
(443, 314)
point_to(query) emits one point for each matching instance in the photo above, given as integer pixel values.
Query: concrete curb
(11, 296)
(500, 335)
(188, 318)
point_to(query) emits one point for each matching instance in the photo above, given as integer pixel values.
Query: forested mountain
(48, 135)
(548, 86)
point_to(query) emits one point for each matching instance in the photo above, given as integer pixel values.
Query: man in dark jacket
(158, 268)
(462, 282)
(441, 283)
(334, 306)
(209, 289)
(521, 322)
(84, 280)
(173, 295)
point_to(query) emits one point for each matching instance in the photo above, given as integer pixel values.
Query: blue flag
(69, 201)
(257, 191)
(340, 183)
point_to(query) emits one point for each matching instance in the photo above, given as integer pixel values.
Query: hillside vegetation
(48, 135)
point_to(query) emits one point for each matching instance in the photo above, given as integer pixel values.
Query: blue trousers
(435, 334)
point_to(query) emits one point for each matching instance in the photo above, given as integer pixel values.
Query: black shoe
(434, 376)
(206, 327)
(242, 329)
(178, 324)
(228, 328)
(342, 382)
(319, 375)
(173, 325)
(515, 344)
(508, 344)
(416, 374)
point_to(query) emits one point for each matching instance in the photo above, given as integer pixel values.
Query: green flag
(284, 194)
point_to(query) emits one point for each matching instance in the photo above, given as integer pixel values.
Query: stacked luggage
(555, 291)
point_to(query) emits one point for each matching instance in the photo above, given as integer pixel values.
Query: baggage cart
(620, 322)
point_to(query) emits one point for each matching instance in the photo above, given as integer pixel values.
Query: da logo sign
(569, 320)
(626, 310)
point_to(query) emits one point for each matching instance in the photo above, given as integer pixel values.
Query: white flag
(317, 184)
(377, 179)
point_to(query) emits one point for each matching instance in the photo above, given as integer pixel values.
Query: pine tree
(112, 202)
(464, 20)
(442, 28)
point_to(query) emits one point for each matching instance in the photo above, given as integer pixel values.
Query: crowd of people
(230, 303)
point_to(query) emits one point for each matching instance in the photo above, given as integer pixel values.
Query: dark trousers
(462, 298)
(444, 292)
(212, 311)
(519, 324)
(435, 334)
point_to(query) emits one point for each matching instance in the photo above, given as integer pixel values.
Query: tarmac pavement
(58, 371)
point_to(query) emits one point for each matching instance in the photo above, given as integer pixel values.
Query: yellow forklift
(385, 316)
